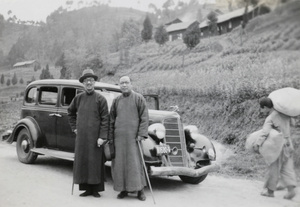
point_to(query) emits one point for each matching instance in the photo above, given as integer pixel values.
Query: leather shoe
(290, 195)
(86, 193)
(141, 196)
(96, 194)
(267, 193)
(123, 194)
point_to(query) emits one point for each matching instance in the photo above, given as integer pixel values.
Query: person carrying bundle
(279, 119)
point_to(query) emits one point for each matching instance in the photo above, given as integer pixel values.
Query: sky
(38, 10)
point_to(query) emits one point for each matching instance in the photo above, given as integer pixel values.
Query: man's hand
(75, 131)
(99, 142)
(140, 138)
(256, 148)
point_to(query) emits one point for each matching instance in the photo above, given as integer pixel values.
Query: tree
(8, 82)
(21, 81)
(61, 62)
(246, 16)
(212, 23)
(115, 43)
(161, 35)
(94, 62)
(45, 74)
(130, 36)
(130, 32)
(147, 30)
(2, 25)
(2, 58)
(2, 79)
(191, 37)
(65, 73)
(37, 67)
(14, 80)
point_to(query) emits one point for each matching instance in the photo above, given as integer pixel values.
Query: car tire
(192, 180)
(24, 146)
(195, 180)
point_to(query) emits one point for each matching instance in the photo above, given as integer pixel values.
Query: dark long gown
(88, 113)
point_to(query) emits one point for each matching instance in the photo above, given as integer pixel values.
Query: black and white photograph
(150, 103)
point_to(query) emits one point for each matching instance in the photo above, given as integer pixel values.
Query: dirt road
(48, 183)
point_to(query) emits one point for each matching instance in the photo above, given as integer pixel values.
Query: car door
(46, 115)
(65, 136)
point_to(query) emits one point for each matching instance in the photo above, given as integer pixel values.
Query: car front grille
(175, 138)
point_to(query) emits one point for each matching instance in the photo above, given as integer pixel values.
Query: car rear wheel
(24, 146)
(195, 180)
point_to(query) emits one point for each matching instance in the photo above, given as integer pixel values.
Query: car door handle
(57, 115)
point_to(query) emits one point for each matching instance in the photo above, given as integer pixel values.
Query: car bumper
(172, 171)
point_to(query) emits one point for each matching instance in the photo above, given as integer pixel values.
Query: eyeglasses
(124, 82)
(89, 80)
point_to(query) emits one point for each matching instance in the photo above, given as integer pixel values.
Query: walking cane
(147, 176)
(72, 187)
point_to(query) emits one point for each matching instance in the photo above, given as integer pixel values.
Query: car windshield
(109, 95)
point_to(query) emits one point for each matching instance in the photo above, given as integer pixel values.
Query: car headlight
(211, 154)
(158, 130)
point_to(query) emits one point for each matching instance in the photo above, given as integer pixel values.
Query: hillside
(91, 28)
(217, 84)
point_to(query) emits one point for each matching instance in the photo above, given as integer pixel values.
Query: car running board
(54, 153)
(59, 154)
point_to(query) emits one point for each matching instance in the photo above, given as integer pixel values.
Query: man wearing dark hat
(283, 167)
(88, 117)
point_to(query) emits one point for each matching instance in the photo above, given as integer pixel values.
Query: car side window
(151, 102)
(31, 96)
(67, 96)
(48, 95)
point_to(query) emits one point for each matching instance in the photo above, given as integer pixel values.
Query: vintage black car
(171, 149)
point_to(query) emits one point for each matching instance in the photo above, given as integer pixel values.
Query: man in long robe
(283, 167)
(128, 124)
(88, 117)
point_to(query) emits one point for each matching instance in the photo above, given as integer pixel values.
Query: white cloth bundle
(271, 148)
(286, 101)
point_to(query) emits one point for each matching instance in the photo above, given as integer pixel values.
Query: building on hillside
(227, 22)
(175, 21)
(26, 64)
(176, 30)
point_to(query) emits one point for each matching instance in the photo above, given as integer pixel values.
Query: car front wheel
(24, 146)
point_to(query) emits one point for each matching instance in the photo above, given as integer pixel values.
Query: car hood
(157, 116)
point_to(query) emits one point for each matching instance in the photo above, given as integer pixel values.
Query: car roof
(73, 82)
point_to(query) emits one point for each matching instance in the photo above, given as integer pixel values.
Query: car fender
(202, 147)
(33, 128)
